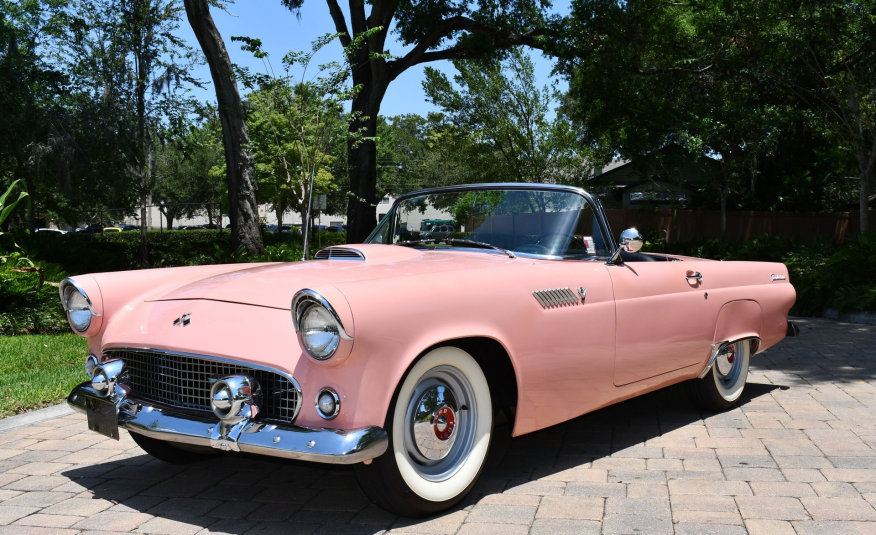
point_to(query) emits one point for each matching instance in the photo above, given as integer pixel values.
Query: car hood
(274, 285)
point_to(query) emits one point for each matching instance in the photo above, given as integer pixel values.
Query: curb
(30, 418)
(868, 318)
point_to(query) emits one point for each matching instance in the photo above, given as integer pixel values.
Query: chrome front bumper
(333, 446)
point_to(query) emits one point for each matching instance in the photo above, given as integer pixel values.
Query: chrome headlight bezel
(302, 304)
(69, 290)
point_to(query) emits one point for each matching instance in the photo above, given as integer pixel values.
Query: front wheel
(722, 387)
(439, 424)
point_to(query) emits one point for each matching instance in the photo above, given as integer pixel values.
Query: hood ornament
(183, 321)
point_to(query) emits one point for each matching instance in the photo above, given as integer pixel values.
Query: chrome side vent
(558, 297)
(338, 253)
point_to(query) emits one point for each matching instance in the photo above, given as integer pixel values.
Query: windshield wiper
(466, 242)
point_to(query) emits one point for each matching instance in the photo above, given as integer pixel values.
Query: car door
(664, 318)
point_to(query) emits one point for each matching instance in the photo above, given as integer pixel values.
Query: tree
(415, 152)
(824, 54)
(500, 106)
(31, 84)
(239, 164)
(439, 30)
(300, 121)
(671, 74)
(188, 178)
(147, 29)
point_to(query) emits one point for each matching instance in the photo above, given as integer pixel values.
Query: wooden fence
(693, 225)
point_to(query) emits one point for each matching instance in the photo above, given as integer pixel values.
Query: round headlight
(78, 311)
(319, 332)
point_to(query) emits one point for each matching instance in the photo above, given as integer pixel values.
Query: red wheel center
(443, 423)
(731, 354)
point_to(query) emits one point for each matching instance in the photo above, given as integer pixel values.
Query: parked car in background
(111, 230)
(93, 228)
(340, 364)
(53, 230)
(439, 232)
(129, 228)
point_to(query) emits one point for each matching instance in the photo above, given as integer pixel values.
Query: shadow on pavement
(237, 493)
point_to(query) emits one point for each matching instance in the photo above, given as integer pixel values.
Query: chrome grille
(184, 381)
(559, 297)
(338, 253)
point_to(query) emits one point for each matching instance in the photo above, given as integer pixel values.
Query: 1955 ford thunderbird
(396, 355)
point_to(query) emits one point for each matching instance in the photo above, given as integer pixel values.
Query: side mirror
(630, 241)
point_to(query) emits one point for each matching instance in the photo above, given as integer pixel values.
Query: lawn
(39, 370)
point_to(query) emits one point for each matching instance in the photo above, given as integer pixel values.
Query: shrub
(26, 307)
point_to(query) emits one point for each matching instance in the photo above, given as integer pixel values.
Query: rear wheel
(167, 452)
(722, 387)
(439, 424)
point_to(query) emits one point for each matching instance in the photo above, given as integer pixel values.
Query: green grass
(39, 370)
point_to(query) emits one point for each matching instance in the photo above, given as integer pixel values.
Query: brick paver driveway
(798, 456)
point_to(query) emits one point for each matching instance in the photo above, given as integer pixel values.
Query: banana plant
(5, 209)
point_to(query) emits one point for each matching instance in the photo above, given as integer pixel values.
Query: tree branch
(652, 71)
(340, 22)
(420, 53)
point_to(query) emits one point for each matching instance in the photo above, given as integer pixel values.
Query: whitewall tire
(440, 424)
(723, 385)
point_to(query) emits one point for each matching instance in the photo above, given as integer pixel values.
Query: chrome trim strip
(243, 363)
(591, 199)
(62, 287)
(718, 348)
(310, 295)
(331, 446)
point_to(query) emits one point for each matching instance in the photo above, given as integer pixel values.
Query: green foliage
(7, 205)
(189, 169)
(296, 124)
(90, 253)
(26, 307)
(499, 106)
(37, 371)
(823, 273)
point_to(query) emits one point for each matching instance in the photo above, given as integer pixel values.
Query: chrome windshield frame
(592, 200)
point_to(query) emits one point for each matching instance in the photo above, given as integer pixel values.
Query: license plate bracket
(102, 417)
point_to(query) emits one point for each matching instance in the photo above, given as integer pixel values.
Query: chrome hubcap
(440, 423)
(728, 365)
(435, 422)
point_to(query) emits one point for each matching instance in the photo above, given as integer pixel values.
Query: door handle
(694, 275)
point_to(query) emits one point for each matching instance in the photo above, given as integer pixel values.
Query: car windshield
(538, 222)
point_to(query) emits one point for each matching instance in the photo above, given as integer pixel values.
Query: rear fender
(737, 320)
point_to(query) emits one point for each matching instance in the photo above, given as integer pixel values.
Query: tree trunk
(144, 258)
(753, 175)
(362, 160)
(31, 215)
(279, 208)
(239, 164)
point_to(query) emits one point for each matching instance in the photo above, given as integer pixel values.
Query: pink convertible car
(397, 355)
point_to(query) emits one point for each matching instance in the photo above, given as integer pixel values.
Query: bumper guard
(332, 446)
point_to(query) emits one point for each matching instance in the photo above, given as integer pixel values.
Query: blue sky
(281, 32)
